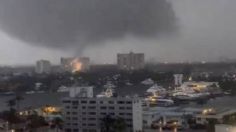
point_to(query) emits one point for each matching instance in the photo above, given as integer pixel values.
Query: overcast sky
(206, 31)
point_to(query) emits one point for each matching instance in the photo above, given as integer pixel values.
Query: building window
(130, 114)
(92, 113)
(120, 102)
(111, 102)
(92, 102)
(112, 114)
(91, 119)
(66, 101)
(75, 107)
(92, 130)
(111, 108)
(68, 130)
(91, 124)
(67, 107)
(75, 118)
(83, 107)
(68, 124)
(75, 102)
(103, 107)
(74, 113)
(92, 107)
(129, 102)
(121, 108)
(68, 113)
(129, 120)
(101, 102)
(76, 130)
(129, 108)
(83, 102)
(103, 113)
(75, 124)
(121, 113)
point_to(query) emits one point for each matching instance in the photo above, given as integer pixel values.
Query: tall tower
(178, 79)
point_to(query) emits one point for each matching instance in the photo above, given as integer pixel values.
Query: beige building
(43, 66)
(130, 61)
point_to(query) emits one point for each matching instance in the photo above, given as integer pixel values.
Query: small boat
(30, 92)
(40, 91)
(109, 90)
(63, 89)
(159, 101)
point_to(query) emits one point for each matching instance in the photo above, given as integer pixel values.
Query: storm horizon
(165, 30)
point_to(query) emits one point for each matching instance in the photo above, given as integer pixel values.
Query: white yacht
(156, 90)
(63, 89)
(109, 90)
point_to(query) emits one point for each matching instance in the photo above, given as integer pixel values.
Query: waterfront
(41, 99)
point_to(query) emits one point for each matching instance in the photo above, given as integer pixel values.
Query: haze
(191, 30)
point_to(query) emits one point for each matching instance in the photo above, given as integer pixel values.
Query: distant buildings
(74, 64)
(43, 66)
(86, 114)
(130, 61)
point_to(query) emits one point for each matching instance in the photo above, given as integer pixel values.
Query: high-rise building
(178, 79)
(130, 61)
(75, 64)
(43, 66)
(86, 114)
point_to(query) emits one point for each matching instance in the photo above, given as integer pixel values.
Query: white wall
(137, 116)
(225, 128)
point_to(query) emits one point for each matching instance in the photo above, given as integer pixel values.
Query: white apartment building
(43, 66)
(130, 61)
(85, 114)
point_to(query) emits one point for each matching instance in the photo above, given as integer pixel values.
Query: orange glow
(76, 65)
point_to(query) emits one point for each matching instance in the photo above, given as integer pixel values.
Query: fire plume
(76, 65)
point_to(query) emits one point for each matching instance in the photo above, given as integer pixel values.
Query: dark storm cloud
(78, 23)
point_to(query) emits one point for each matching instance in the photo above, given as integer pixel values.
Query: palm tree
(58, 123)
(34, 122)
(107, 124)
(120, 125)
(11, 103)
(17, 100)
(110, 124)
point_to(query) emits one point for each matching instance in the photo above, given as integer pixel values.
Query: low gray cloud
(79, 23)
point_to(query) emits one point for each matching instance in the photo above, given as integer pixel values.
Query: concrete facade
(43, 66)
(85, 114)
(130, 61)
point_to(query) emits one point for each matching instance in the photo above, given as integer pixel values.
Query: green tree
(11, 104)
(110, 124)
(107, 124)
(119, 125)
(18, 100)
(211, 125)
(34, 122)
(57, 124)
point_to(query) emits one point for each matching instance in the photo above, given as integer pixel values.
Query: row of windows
(102, 107)
(77, 130)
(102, 113)
(94, 102)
